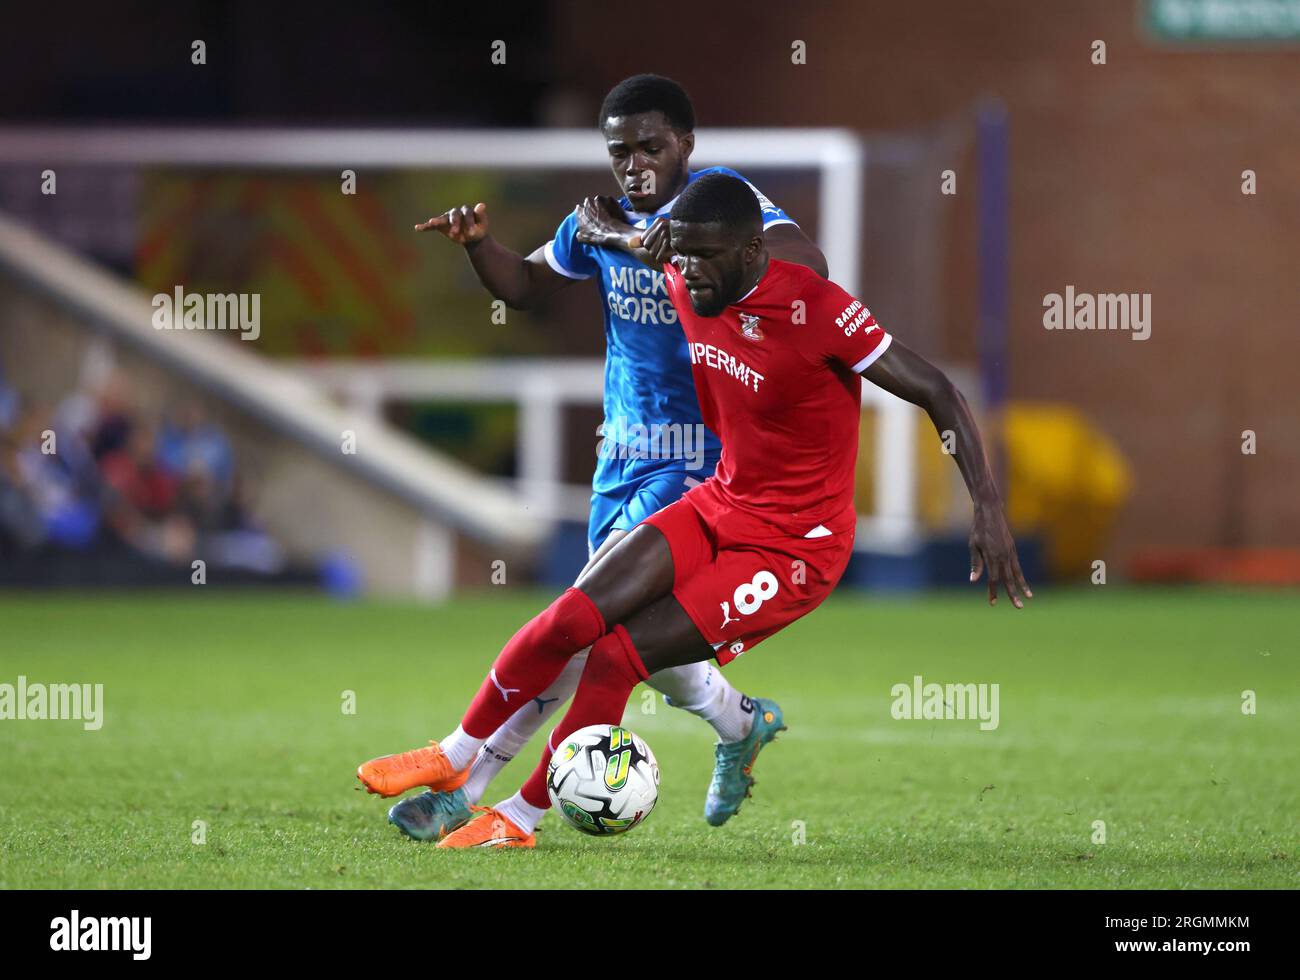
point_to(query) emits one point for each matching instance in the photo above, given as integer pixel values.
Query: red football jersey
(777, 379)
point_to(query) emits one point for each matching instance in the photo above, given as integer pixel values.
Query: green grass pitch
(1117, 704)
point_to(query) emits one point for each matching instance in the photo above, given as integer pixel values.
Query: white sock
(702, 690)
(505, 743)
(460, 748)
(521, 813)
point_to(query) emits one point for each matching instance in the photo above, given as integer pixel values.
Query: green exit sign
(1202, 21)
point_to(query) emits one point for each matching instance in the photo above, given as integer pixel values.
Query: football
(603, 780)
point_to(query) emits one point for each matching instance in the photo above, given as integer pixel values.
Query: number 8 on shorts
(750, 595)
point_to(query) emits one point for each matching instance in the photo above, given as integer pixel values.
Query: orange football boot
(488, 829)
(391, 775)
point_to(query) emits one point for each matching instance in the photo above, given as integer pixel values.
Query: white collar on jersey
(635, 218)
(750, 293)
(638, 220)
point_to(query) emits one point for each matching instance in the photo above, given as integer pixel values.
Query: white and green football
(603, 780)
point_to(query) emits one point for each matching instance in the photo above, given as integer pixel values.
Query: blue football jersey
(648, 383)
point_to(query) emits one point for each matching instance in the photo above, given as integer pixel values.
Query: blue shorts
(627, 491)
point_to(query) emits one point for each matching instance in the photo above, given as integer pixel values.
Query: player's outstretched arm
(908, 375)
(786, 242)
(601, 222)
(521, 283)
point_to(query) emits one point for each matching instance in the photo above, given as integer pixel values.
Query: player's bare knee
(635, 572)
(665, 636)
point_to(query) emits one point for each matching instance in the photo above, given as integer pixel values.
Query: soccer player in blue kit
(655, 446)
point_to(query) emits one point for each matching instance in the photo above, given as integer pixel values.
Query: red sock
(533, 659)
(534, 789)
(613, 669)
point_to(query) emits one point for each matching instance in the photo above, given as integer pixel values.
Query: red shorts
(742, 578)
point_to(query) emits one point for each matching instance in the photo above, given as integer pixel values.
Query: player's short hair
(722, 198)
(650, 93)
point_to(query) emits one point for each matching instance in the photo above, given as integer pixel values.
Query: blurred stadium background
(128, 453)
(474, 438)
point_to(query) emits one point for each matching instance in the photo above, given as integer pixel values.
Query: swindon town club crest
(749, 327)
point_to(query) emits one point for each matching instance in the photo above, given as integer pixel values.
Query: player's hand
(463, 225)
(655, 240)
(992, 550)
(601, 222)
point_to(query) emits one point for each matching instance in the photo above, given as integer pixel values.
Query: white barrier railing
(541, 388)
(438, 485)
(839, 157)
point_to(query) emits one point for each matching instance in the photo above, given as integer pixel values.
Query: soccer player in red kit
(777, 354)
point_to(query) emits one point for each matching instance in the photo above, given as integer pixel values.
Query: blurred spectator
(8, 404)
(194, 445)
(141, 498)
(45, 500)
(98, 475)
(109, 414)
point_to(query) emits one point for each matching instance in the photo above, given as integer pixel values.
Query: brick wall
(1125, 177)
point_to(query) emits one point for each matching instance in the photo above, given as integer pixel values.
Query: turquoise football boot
(431, 816)
(734, 763)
